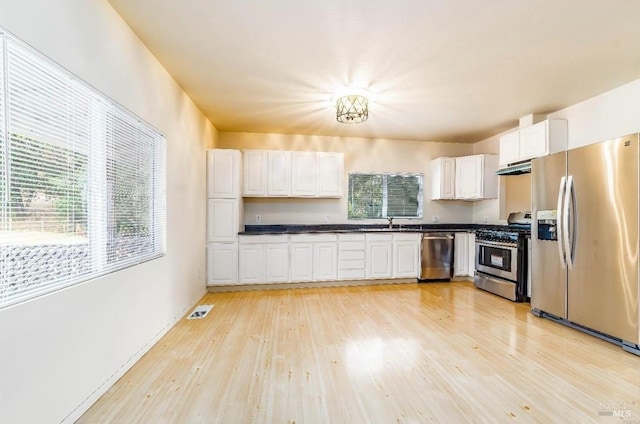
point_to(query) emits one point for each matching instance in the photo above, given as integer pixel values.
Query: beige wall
(60, 352)
(375, 155)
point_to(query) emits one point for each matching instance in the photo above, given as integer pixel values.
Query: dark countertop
(254, 230)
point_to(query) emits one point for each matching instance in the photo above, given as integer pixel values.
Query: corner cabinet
(476, 177)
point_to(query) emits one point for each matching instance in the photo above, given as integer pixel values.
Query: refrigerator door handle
(569, 197)
(559, 223)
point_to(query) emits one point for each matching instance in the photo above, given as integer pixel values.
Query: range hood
(516, 169)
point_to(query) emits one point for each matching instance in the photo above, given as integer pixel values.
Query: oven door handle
(560, 222)
(496, 244)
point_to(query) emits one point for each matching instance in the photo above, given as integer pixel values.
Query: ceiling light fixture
(352, 109)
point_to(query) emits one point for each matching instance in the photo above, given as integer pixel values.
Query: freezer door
(603, 282)
(548, 275)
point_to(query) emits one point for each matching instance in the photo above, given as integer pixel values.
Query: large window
(374, 196)
(81, 180)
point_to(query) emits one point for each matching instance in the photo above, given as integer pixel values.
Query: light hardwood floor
(407, 353)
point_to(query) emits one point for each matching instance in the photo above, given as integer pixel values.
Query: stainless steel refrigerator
(585, 264)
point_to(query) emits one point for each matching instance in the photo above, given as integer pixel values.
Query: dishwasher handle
(438, 237)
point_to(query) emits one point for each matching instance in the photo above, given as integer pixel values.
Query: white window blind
(374, 196)
(81, 180)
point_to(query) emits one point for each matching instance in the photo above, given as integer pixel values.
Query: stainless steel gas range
(502, 258)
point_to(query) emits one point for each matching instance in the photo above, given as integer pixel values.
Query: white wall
(612, 114)
(375, 155)
(58, 353)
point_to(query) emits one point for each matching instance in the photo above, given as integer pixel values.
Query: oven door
(496, 258)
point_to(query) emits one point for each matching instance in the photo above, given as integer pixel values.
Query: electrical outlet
(327, 219)
(258, 219)
(435, 219)
(486, 219)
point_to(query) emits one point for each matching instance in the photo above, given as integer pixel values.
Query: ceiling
(434, 70)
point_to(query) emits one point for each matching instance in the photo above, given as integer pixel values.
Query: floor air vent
(201, 311)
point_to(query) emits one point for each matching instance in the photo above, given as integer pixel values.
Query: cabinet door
(222, 220)
(509, 148)
(330, 174)
(251, 263)
(301, 267)
(304, 174)
(472, 254)
(325, 261)
(276, 257)
(406, 259)
(222, 263)
(223, 173)
(443, 175)
(534, 141)
(461, 254)
(255, 173)
(469, 173)
(379, 259)
(278, 173)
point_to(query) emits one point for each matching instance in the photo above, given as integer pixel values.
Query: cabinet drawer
(314, 238)
(350, 237)
(263, 239)
(352, 264)
(352, 245)
(352, 254)
(407, 236)
(379, 237)
(351, 274)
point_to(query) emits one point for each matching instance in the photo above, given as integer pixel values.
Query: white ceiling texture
(434, 70)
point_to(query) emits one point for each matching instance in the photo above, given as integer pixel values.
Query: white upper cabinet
(541, 139)
(278, 173)
(255, 173)
(223, 174)
(476, 177)
(304, 174)
(510, 148)
(330, 174)
(443, 176)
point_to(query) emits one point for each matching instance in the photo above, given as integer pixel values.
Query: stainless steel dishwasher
(437, 256)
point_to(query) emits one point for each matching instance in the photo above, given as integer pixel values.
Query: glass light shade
(352, 109)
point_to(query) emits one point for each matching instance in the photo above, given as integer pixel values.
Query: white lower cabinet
(263, 259)
(464, 255)
(325, 261)
(406, 255)
(222, 263)
(314, 257)
(379, 256)
(352, 254)
(301, 265)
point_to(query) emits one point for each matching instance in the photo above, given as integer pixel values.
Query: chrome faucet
(390, 219)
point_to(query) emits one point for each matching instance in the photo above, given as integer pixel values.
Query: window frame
(18, 283)
(385, 195)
